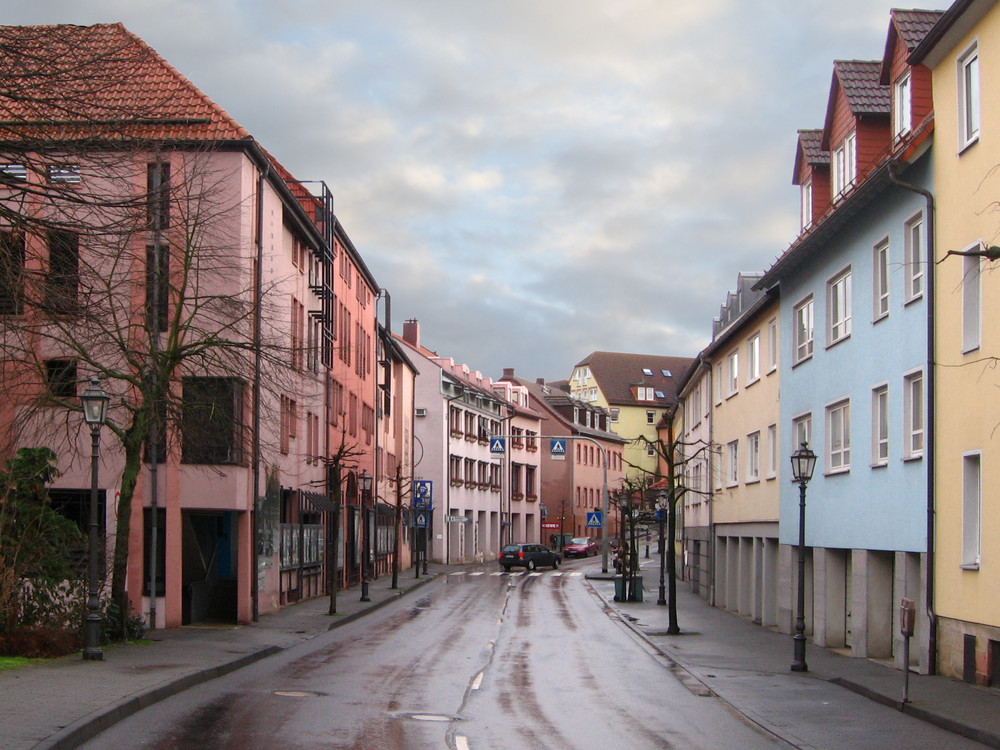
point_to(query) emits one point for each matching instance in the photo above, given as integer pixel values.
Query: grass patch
(14, 662)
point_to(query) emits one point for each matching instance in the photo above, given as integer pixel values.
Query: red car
(581, 547)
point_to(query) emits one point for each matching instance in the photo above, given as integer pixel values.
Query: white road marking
(477, 681)
(461, 742)
(478, 573)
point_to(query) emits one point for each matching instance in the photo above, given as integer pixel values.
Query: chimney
(411, 332)
(540, 381)
(508, 373)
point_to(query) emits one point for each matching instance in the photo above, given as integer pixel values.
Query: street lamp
(803, 464)
(661, 512)
(95, 413)
(366, 491)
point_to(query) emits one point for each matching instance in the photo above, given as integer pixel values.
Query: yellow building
(636, 389)
(963, 51)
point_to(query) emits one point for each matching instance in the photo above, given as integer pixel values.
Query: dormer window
(845, 164)
(901, 106)
(807, 204)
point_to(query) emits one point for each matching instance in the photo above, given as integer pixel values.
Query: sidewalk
(59, 705)
(727, 654)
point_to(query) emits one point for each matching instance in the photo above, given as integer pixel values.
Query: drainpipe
(255, 440)
(929, 452)
(711, 497)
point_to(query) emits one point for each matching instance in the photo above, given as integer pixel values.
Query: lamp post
(366, 491)
(95, 413)
(803, 464)
(661, 512)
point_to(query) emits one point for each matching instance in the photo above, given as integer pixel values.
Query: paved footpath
(60, 704)
(748, 667)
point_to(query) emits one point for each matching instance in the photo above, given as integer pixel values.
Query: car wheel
(555, 563)
(531, 564)
(506, 568)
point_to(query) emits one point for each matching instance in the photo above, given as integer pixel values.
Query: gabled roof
(811, 151)
(865, 96)
(551, 398)
(909, 27)
(67, 83)
(616, 373)
(954, 24)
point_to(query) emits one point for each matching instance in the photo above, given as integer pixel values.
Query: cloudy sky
(532, 180)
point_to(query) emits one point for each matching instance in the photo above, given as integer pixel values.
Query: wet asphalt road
(472, 661)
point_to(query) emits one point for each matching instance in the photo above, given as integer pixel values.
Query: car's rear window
(511, 548)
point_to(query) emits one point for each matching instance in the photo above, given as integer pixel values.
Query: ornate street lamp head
(803, 464)
(95, 404)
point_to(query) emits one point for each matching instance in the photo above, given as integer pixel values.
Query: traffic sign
(557, 448)
(457, 519)
(423, 493)
(420, 520)
(594, 520)
(497, 445)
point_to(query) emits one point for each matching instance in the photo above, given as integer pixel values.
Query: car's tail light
(520, 554)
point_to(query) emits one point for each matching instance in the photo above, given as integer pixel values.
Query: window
(11, 272)
(901, 108)
(971, 302)
(650, 450)
(60, 377)
(67, 174)
(772, 345)
(772, 450)
(650, 416)
(158, 195)
(732, 372)
(614, 414)
(801, 431)
(718, 384)
(646, 371)
(753, 457)
(838, 307)
(212, 421)
(733, 462)
(63, 278)
(971, 509)
(13, 173)
(913, 415)
(968, 97)
(803, 321)
(807, 204)
(880, 280)
(157, 286)
(838, 436)
(753, 358)
(880, 425)
(844, 165)
(913, 260)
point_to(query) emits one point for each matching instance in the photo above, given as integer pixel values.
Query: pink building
(151, 242)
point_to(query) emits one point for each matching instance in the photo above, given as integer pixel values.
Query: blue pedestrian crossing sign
(497, 445)
(594, 520)
(557, 447)
(420, 519)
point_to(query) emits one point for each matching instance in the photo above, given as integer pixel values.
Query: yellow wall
(967, 414)
(752, 408)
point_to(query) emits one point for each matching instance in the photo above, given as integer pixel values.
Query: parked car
(529, 556)
(581, 547)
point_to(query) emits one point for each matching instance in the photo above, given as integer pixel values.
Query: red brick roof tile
(859, 80)
(64, 82)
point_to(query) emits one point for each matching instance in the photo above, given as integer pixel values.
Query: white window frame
(838, 436)
(838, 307)
(972, 510)
(914, 257)
(972, 292)
(772, 451)
(801, 430)
(732, 372)
(880, 425)
(845, 165)
(914, 415)
(968, 97)
(880, 280)
(902, 103)
(807, 204)
(753, 358)
(753, 457)
(803, 330)
(650, 416)
(732, 463)
(718, 383)
(772, 345)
